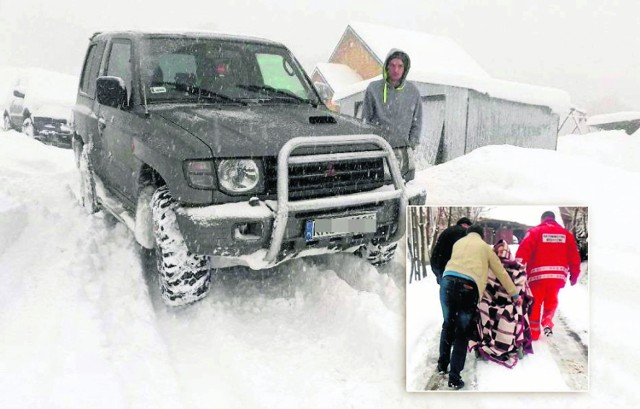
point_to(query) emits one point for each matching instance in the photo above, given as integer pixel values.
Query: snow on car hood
(259, 130)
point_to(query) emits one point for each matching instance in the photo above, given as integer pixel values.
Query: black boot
(442, 369)
(547, 331)
(456, 382)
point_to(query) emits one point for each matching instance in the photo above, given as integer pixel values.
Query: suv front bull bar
(285, 159)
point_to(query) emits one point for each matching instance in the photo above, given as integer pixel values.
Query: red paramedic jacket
(550, 253)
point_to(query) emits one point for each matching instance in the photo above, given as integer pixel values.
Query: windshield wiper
(204, 93)
(274, 92)
(210, 95)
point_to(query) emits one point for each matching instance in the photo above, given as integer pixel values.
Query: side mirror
(18, 94)
(111, 91)
(323, 90)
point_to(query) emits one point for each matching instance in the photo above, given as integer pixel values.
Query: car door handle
(102, 123)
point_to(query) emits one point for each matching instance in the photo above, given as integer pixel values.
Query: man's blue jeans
(459, 299)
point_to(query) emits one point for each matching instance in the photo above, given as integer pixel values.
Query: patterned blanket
(502, 328)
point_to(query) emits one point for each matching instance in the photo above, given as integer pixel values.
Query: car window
(172, 66)
(88, 63)
(119, 63)
(95, 68)
(218, 71)
(278, 73)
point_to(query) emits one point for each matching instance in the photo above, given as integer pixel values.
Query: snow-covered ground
(538, 372)
(83, 324)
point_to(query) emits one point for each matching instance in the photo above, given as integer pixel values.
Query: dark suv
(217, 151)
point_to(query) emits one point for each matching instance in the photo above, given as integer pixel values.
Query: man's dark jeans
(459, 299)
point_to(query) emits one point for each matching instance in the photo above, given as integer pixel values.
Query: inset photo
(497, 299)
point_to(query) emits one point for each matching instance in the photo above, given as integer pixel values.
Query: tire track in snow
(570, 354)
(300, 327)
(75, 311)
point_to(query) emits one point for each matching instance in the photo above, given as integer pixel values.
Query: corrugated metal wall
(493, 121)
(455, 112)
(471, 120)
(347, 105)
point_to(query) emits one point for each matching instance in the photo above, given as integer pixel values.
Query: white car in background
(38, 102)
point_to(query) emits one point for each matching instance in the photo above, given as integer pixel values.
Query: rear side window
(119, 64)
(88, 63)
(90, 70)
(95, 69)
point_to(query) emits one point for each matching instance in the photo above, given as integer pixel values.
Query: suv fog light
(248, 231)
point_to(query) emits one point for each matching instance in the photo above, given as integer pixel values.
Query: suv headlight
(239, 175)
(199, 173)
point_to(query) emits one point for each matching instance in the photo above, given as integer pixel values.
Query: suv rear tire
(183, 277)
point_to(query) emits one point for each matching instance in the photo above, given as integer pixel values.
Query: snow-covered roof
(556, 99)
(527, 215)
(613, 118)
(427, 51)
(337, 75)
(440, 60)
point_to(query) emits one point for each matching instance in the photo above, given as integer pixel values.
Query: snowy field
(83, 324)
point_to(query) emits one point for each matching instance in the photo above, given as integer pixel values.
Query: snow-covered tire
(183, 277)
(6, 122)
(88, 197)
(28, 128)
(377, 254)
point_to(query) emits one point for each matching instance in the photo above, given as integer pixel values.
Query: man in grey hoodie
(392, 103)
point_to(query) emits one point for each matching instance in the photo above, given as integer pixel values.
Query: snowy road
(558, 364)
(99, 313)
(83, 326)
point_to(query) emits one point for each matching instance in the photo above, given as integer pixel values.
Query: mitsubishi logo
(330, 170)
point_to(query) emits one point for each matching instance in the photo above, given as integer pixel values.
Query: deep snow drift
(83, 325)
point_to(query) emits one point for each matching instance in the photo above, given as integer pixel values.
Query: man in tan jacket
(462, 285)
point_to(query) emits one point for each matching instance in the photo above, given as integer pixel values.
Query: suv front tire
(183, 277)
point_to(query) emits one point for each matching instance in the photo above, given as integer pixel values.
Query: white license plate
(340, 226)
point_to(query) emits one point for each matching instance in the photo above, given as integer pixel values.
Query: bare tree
(425, 223)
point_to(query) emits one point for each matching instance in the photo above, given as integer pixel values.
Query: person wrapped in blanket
(503, 333)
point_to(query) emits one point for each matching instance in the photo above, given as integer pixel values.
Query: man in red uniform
(551, 255)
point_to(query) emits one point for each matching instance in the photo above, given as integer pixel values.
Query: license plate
(340, 226)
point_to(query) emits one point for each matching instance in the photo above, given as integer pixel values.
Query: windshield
(221, 71)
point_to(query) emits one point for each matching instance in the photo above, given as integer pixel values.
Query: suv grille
(323, 179)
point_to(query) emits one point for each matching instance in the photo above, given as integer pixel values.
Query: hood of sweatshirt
(396, 53)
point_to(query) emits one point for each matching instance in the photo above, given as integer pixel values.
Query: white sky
(584, 47)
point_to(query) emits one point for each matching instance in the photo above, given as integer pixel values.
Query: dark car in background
(39, 104)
